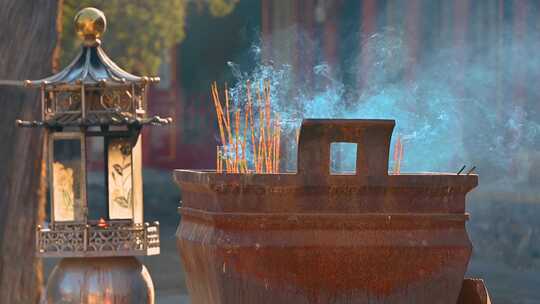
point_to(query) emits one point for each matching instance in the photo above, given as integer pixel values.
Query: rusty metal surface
(313, 237)
(99, 280)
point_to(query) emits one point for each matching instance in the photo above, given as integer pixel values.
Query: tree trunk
(27, 35)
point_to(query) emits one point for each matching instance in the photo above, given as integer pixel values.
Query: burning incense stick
(218, 160)
(237, 133)
(236, 139)
(219, 114)
(398, 155)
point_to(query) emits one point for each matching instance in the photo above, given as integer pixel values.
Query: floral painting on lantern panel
(66, 179)
(120, 179)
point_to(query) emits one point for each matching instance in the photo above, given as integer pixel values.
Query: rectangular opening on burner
(343, 158)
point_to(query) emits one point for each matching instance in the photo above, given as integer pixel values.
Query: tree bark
(27, 35)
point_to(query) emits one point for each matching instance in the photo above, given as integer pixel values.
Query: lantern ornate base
(118, 280)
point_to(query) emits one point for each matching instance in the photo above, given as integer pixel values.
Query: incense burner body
(313, 237)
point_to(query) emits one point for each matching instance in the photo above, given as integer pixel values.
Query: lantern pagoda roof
(92, 90)
(91, 67)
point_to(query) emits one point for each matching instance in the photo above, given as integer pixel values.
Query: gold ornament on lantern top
(90, 24)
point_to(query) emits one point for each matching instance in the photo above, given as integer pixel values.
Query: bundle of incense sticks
(398, 155)
(241, 130)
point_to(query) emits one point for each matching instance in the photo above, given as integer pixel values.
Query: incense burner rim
(421, 179)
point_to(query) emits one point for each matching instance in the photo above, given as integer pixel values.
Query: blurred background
(459, 76)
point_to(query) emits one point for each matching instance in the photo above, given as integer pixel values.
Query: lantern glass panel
(96, 178)
(120, 178)
(67, 178)
(49, 100)
(118, 99)
(138, 98)
(67, 102)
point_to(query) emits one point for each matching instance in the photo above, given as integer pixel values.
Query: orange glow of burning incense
(240, 131)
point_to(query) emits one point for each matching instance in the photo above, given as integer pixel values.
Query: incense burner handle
(371, 136)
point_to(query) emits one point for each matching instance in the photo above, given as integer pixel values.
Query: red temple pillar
(368, 28)
(266, 28)
(161, 144)
(518, 38)
(519, 92)
(412, 36)
(330, 35)
(499, 61)
(306, 41)
(461, 22)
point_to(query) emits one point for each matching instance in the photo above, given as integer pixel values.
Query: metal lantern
(92, 98)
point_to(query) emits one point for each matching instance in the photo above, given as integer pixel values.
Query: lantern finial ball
(90, 24)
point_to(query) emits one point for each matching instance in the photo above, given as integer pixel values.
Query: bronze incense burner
(316, 237)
